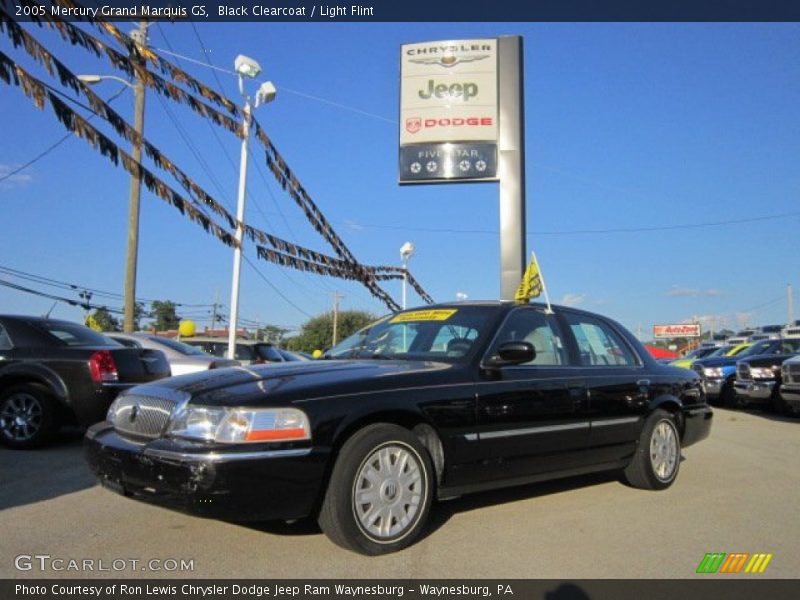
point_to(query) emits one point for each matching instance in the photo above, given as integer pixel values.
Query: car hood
(721, 361)
(283, 383)
(767, 360)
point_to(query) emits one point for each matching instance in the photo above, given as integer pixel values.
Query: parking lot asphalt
(736, 492)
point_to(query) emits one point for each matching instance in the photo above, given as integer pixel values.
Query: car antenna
(47, 315)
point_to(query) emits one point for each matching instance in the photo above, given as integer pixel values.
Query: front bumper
(791, 395)
(754, 392)
(713, 386)
(696, 425)
(250, 484)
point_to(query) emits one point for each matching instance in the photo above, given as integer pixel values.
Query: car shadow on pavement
(28, 476)
(756, 411)
(443, 511)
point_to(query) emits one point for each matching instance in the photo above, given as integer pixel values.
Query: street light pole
(245, 67)
(140, 38)
(237, 251)
(406, 251)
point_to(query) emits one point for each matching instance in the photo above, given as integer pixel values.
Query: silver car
(182, 358)
(248, 352)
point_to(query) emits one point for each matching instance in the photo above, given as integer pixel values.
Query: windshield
(721, 351)
(757, 348)
(184, 349)
(436, 334)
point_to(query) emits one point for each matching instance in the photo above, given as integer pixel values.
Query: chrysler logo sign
(448, 60)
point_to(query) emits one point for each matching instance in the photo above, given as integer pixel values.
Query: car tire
(777, 404)
(28, 416)
(380, 491)
(727, 395)
(657, 459)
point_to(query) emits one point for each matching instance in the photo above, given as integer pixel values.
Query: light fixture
(246, 66)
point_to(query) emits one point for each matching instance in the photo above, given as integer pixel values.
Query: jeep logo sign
(449, 91)
(448, 95)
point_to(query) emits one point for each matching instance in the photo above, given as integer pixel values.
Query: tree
(102, 320)
(164, 314)
(272, 334)
(139, 313)
(317, 333)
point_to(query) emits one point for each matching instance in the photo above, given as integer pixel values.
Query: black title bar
(266, 11)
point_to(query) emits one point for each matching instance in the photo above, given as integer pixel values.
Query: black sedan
(54, 372)
(423, 404)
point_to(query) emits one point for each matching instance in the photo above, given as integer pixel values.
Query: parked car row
(55, 372)
(752, 377)
(248, 352)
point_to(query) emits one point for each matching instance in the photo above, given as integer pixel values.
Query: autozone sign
(673, 331)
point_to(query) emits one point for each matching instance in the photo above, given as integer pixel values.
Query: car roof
(203, 338)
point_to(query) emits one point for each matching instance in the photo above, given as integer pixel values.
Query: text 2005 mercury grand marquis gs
(426, 404)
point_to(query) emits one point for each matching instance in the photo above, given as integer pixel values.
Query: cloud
(17, 179)
(677, 291)
(573, 299)
(353, 226)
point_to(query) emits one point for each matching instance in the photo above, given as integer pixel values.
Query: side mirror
(513, 353)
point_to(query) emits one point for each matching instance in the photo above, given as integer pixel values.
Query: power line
(83, 304)
(49, 149)
(77, 287)
(275, 289)
(254, 200)
(582, 231)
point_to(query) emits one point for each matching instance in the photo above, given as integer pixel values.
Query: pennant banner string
(132, 68)
(162, 64)
(36, 91)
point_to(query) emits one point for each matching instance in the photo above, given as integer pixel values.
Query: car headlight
(241, 425)
(762, 373)
(715, 372)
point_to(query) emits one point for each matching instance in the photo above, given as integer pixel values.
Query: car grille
(142, 416)
(743, 371)
(791, 373)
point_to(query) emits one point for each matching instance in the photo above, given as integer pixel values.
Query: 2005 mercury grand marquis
(423, 404)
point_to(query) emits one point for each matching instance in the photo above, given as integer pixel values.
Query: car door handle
(643, 383)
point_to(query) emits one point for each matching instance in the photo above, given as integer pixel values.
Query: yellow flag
(531, 284)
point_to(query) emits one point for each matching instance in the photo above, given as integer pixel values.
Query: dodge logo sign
(413, 125)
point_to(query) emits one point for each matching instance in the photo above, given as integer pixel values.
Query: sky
(662, 175)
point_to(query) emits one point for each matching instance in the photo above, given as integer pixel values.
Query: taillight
(102, 367)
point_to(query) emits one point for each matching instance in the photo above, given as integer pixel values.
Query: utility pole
(336, 297)
(214, 310)
(139, 36)
(789, 304)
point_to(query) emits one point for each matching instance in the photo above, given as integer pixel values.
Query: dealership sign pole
(461, 120)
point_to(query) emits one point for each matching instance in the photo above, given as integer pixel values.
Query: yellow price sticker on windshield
(424, 315)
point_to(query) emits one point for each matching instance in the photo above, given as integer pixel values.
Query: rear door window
(598, 344)
(75, 335)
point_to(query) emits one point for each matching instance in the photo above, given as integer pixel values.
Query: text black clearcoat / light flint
(481, 421)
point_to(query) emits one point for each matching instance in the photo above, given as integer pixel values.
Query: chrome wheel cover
(21, 416)
(389, 492)
(664, 450)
